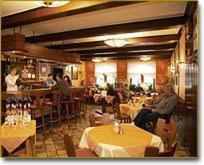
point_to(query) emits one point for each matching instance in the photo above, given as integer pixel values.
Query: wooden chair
(160, 127)
(169, 134)
(54, 106)
(99, 120)
(38, 109)
(106, 119)
(170, 152)
(71, 152)
(152, 151)
(120, 116)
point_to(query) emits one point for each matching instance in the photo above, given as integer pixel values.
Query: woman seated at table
(161, 109)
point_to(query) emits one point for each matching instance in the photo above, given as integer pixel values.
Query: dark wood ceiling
(160, 46)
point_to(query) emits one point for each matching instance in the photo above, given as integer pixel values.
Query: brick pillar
(161, 71)
(121, 71)
(89, 73)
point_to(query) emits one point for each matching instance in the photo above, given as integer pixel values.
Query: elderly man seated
(160, 109)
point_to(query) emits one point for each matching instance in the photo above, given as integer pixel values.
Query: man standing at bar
(11, 79)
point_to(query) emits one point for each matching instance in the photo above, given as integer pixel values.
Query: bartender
(11, 79)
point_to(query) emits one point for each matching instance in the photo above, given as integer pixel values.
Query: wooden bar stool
(38, 108)
(71, 109)
(54, 105)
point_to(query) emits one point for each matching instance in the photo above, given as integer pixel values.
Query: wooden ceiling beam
(151, 39)
(150, 53)
(126, 49)
(44, 14)
(130, 57)
(157, 24)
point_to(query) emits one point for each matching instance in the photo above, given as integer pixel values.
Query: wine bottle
(29, 110)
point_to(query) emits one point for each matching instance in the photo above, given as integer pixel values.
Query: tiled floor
(51, 143)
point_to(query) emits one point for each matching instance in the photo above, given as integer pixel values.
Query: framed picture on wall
(74, 73)
(43, 70)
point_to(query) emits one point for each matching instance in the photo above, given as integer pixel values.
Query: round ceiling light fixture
(98, 59)
(50, 3)
(145, 58)
(116, 42)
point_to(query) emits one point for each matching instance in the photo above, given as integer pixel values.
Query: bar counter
(28, 93)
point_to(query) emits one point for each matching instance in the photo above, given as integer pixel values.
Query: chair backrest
(151, 151)
(69, 145)
(169, 133)
(39, 98)
(120, 97)
(92, 119)
(170, 152)
(116, 110)
(160, 127)
(106, 119)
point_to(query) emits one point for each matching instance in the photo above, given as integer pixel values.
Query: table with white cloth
(106, 143)
(131, 110)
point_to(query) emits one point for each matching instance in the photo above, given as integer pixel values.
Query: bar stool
(77, 104)
(38, 108)
(71, 109)
(54, 104)
(68, 105)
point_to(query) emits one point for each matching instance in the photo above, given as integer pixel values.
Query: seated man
(161, 109)
(49, 82)
(156, 99)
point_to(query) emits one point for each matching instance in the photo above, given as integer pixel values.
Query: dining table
(131, 144)
(12, 137)
(107, 98)
(130, 109)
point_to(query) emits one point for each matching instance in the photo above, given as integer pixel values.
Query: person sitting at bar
(62, 85)
(161, 109)
(11, 79)
(69, 81)
(49, 82)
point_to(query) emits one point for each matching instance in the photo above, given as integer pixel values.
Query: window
(105, 73)
(142, 72)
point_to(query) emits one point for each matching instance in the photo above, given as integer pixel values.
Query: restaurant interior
(99, 79)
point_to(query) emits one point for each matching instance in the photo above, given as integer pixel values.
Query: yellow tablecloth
(142, 100)
(130, 110)
(105, 143)
(12, 137)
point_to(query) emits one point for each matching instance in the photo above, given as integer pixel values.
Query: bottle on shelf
(29, 110)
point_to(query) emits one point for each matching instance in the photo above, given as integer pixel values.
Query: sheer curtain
(105, 72)
(138, 68)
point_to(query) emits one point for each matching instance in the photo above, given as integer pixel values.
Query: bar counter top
(28, 93)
